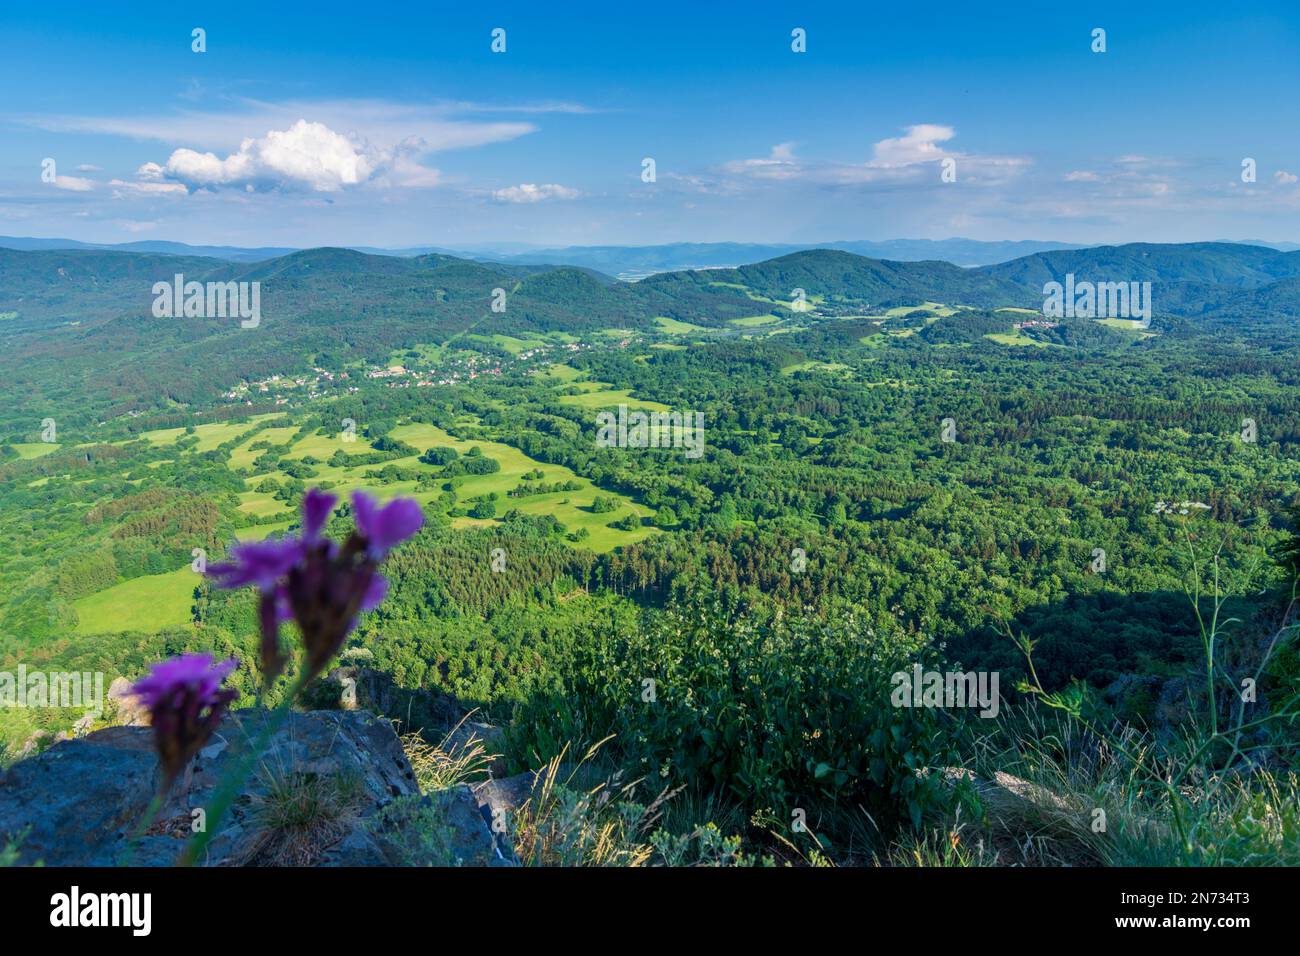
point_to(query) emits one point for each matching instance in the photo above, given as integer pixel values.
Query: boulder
(79, 802)
(128, 709)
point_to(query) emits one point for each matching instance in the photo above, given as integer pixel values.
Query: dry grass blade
(450, 762)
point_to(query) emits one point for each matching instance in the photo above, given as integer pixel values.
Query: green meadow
(141, 604)
(36, 449)
(678, 327)
(752, 321)
(210, 436)
(602, 395)
(570, 508)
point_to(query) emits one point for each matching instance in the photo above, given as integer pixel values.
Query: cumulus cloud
(1284, 178)
(307, 156)
(531, 192)
(920, 144)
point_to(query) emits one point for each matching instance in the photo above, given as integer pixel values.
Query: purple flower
(258, 562)
(385, 528)
(376, 591)
(321, 585)
(186, 702)
(316, 508)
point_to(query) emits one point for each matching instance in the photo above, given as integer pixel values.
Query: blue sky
(395, 124)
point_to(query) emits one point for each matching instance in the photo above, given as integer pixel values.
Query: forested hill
(41, 288)
(1212, 263)
(81, 320)
(829, 272)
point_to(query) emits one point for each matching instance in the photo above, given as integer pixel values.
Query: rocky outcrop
(334, 788)
(501, 798)
(127, 708)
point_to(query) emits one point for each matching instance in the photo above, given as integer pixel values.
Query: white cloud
(74, 183)
(919, 145)
(123, 188)
(88, 168)
(780, 164)
(307, 155)
(1284, 178)
(1082, 176)
(900, 159)
(409, 174)
(531, 192)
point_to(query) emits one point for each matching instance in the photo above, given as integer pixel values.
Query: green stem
(155, 805)
(234, 782)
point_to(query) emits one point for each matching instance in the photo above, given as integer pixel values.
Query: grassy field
(209, 436)
(560, 373)
(601, 395)
(677, 327)
(570, 508)
(1016, 339)
(35, 449)
(752, 321)
(257, 532)
(1127, 325)
(508, 342)
(243, 455)
(934, 308)
(141, 604)
(323, 446)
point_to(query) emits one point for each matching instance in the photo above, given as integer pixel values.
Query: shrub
(775, 712)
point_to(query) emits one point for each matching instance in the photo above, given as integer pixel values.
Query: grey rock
(128, 708)
(508, 794)
(79, 802)
(489, 735)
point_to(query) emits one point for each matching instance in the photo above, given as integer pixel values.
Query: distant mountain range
(629, 262)
(233, 253)
(78, 322)
(49, 287)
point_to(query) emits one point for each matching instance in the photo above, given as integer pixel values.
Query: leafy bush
(439, 455)
(775, 712)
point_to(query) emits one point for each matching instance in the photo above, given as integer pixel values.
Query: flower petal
(316, 508)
